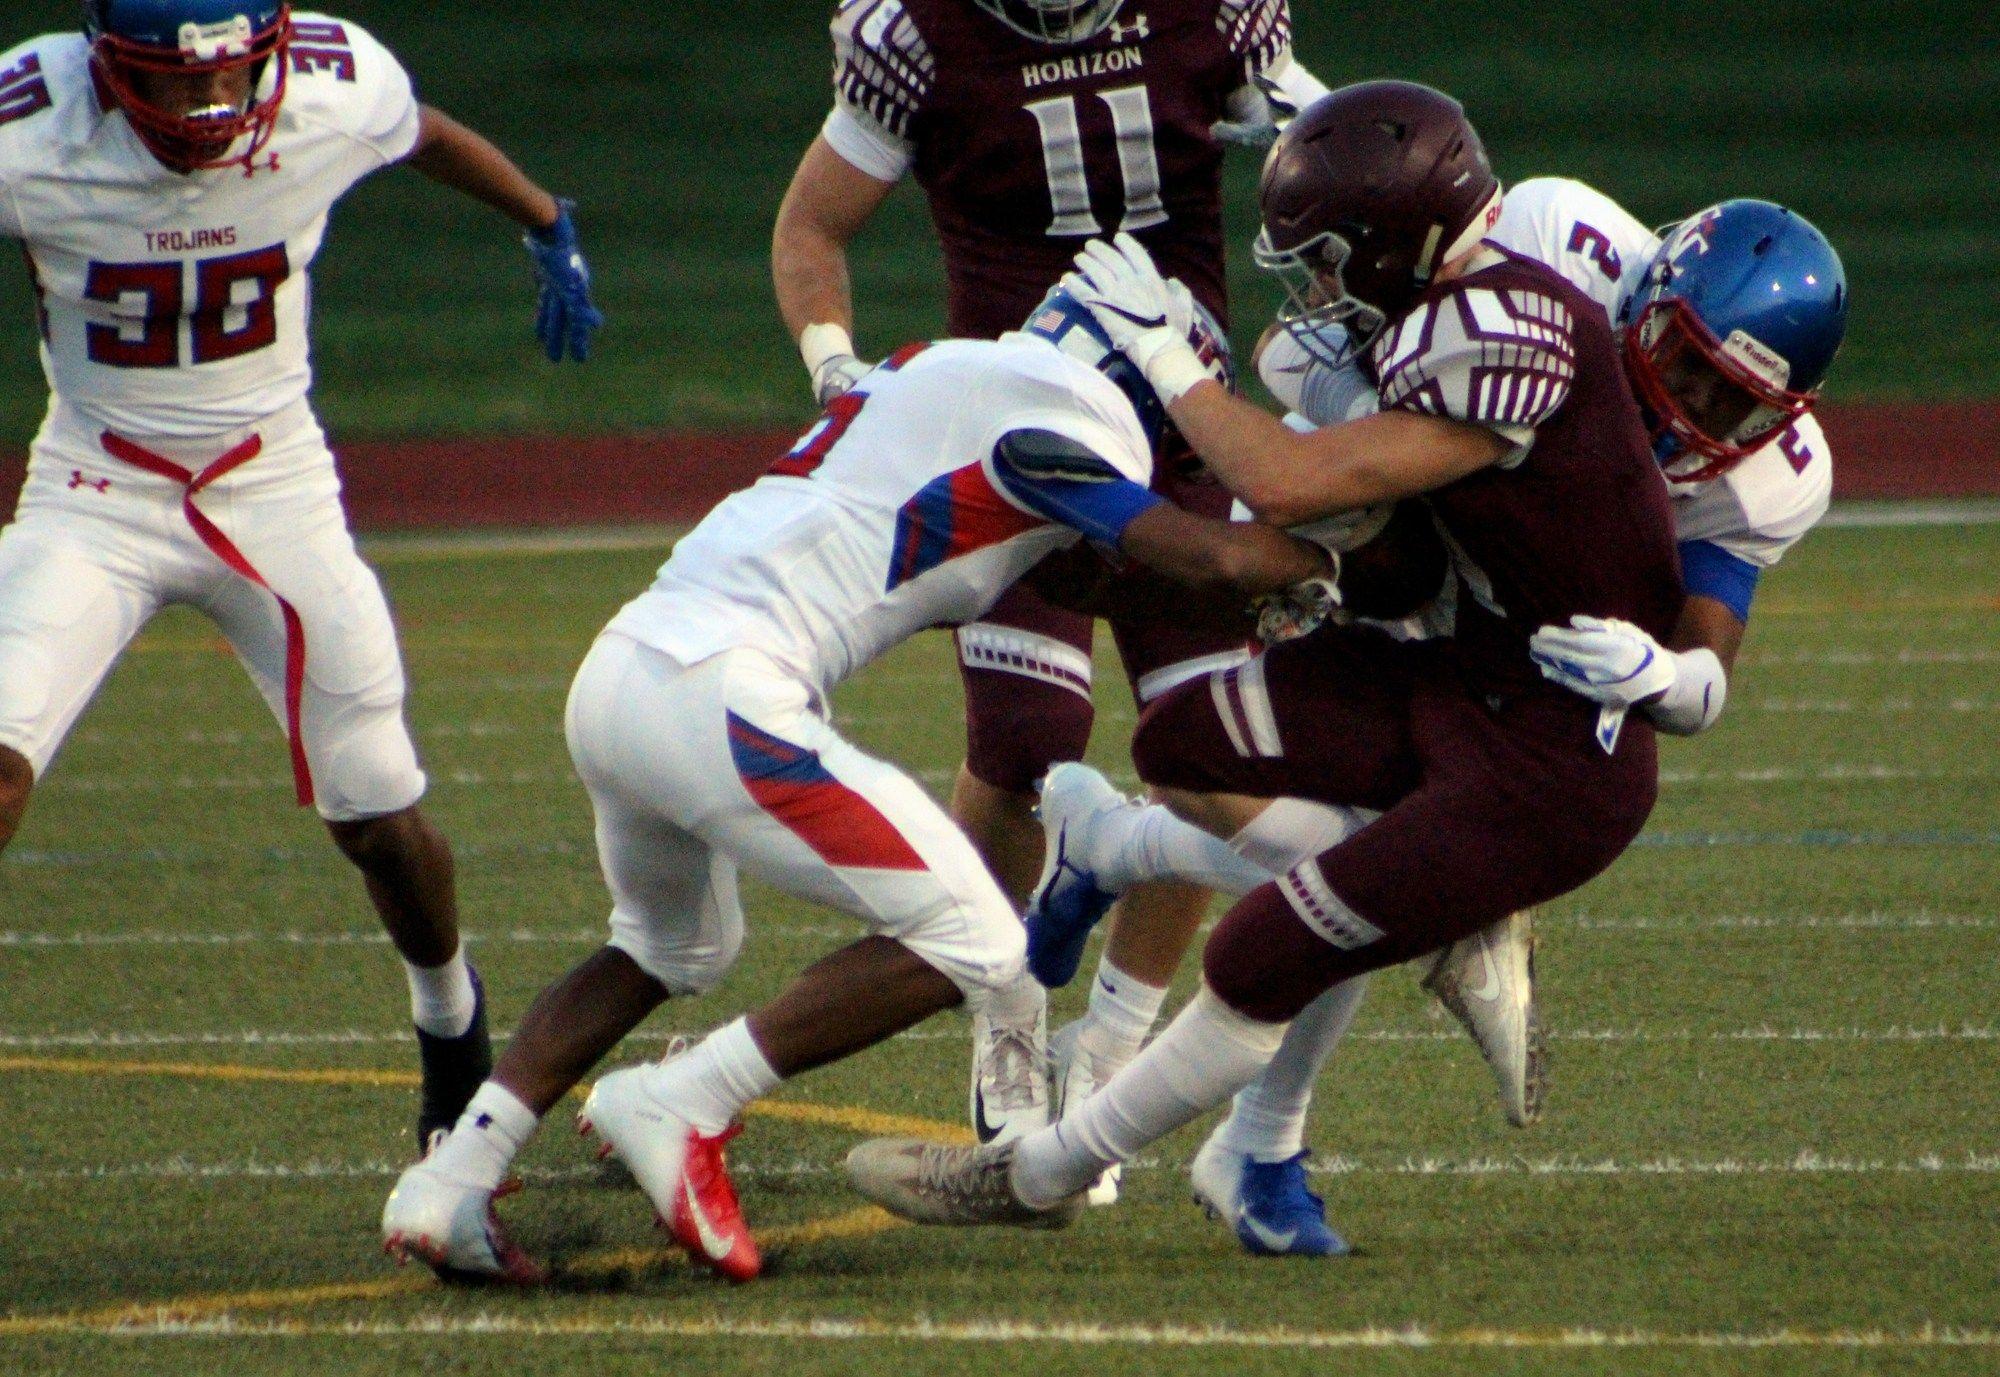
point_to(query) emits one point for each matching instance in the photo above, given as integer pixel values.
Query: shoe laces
(965, 1174)
(1012, 1060)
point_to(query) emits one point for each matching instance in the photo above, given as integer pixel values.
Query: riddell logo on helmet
(1768, 365)
(207, 42)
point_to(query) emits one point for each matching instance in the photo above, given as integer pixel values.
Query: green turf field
(677, 127)
(1775, 1054)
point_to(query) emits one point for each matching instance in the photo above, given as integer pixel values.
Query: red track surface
(1880, 451)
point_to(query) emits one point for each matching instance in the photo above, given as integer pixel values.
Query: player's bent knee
(686, 960)
(1263, 961)
(979, 947)
(1165, 745)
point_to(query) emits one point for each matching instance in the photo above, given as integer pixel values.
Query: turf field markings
(1803, 1163)
(105, 857)
(1009, 1331)
(1869, 515)
(853, 1118)
(30, 941)
(1847, 657)
(177, 1314)
(100, 1038)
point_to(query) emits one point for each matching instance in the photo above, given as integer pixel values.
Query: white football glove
(1607, 661)
(1254, 116)
(1299, 610)
(1146, 316)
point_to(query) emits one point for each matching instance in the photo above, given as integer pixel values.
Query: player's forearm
(451, 154)
(1703, 650)
(827, 203)
(1288, 478)
(1243, 558)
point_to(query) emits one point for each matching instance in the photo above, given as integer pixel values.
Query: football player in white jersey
(1727, 378)
(169, 173)
(700, 724)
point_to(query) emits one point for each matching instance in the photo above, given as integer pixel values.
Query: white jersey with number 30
(175, 305)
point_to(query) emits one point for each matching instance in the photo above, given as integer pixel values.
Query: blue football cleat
(1266, 1204)
(1068, 900)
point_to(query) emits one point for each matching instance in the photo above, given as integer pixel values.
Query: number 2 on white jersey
(1069, 183)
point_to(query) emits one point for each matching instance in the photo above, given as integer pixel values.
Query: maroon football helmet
(1368, 192)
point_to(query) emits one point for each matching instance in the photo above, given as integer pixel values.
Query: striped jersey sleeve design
(1496, 357)
(1259, 32)
(882, 67)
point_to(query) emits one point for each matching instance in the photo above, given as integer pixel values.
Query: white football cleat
(1010, 1077)
(931, 1183)
(450, 1224)
(1487, 981)
(681, 1170)
(1217, 1174)
(1076, 1076)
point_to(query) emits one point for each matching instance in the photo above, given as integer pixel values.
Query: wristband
(1173, 369)
(818, 343)
(1694, 700)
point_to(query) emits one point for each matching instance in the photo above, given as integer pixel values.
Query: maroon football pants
(1487, 806)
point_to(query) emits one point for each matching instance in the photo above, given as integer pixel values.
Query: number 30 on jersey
(233, 311)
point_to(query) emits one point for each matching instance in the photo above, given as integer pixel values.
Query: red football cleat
(708, 1221)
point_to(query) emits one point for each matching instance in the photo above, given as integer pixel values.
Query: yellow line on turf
(185, 1310)
(849, 1117)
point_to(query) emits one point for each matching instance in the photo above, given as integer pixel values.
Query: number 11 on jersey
(1069, 180)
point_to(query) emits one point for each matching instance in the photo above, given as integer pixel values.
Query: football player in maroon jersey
(1455, 784)
(1033, 125)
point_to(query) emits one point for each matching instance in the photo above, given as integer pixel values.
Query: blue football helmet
(1065, 322)
(1731, 333)
(189, 38)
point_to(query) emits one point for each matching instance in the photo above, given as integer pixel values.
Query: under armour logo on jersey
(1119, 32)
(77, 480)
(250, 169)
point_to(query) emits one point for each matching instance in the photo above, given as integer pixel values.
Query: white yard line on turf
(1936, 1033)
(1005, 1331)
(391, 547)
(1803, 1163)
(1975, 511)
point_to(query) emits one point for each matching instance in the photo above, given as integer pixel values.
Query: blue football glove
(565, 319)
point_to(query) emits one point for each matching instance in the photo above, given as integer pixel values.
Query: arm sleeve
(882, 70)
(869, 147)
(1709, 571)
(1259, 34)
(1067, 482)
(381, 113)
(1502, 358)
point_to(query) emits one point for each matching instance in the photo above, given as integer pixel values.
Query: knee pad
(1027, 704)
(687, 960)
(1177, 732)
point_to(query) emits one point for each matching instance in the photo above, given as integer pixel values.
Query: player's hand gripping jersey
(1027, 148)
(1731, 527)
(893, 514)
(175, 305)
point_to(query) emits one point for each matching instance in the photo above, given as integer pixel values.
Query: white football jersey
(1756, 511)
(887, 517)
(175, 305)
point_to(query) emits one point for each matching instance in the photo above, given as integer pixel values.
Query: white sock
(1207, 1054)
(1292, 830)
(442, 1001)
(1268, 1119)
(1145, 841)
(487, 1137)
(710, 1084)
(1122, 1011)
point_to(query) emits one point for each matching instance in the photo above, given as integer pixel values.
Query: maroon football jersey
(1027, 149)
(1580, 522)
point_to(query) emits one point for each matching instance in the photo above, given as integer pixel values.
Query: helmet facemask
(209, 137)
(1711, 402)
(1317, 299)
(1054, 21)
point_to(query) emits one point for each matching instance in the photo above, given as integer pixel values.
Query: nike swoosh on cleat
(981, 1130)
(1266, 1235)
(1489, 985)
(712, 1243)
